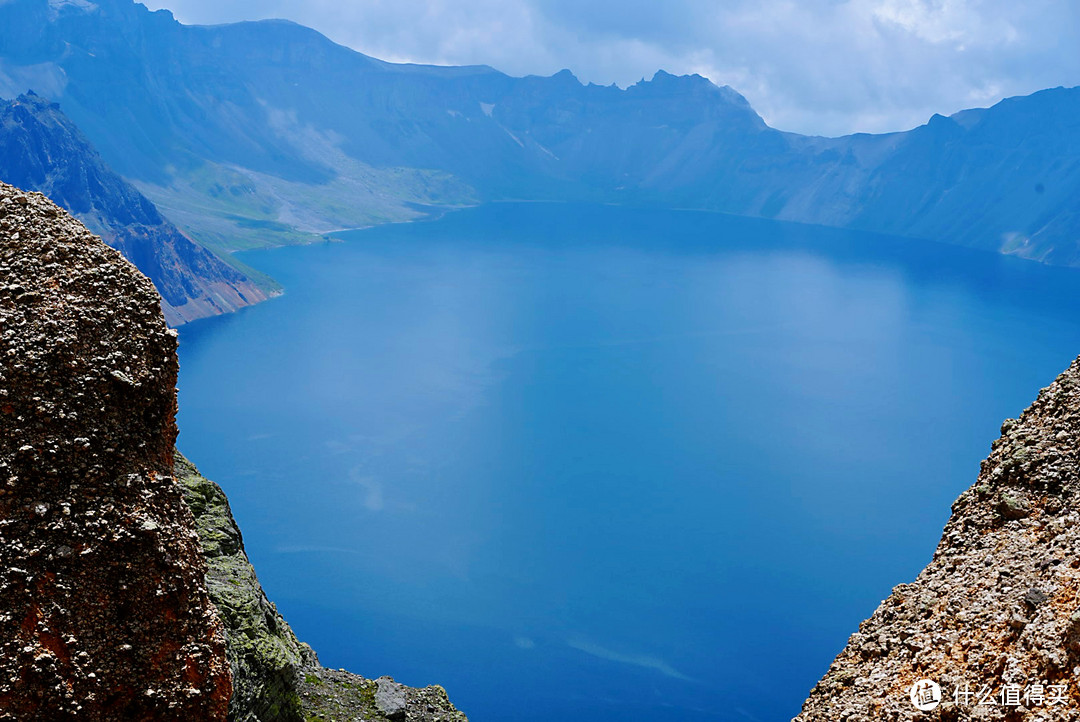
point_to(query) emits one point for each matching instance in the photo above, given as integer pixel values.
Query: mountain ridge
(266, 132)
(41, 150)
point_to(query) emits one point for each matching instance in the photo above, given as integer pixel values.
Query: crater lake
(596, 463)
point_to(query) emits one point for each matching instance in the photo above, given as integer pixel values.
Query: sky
(825, 67)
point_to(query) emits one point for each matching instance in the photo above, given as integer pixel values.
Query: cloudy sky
(813, 66)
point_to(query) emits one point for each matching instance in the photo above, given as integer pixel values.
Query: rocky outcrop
(104, 613)
(333, 695)
(275, 676)
(125, 590)
(264, 654)
(990, 630)
(42, 150)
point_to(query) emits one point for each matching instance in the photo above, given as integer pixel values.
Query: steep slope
(1006, 179)
(125, 591)
(994, 619)
(275, 676)
(267, 132)
(104, 613)
(40, 149)
(264, 654)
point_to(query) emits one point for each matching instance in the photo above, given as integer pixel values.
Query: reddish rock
(104, 613)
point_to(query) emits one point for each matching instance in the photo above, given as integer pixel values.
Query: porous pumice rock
(104, 613)
(993, 623)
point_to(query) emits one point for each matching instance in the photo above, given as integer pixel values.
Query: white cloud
(934, 22)
(819, 66)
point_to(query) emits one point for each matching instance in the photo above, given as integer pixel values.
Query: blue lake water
(592, 463)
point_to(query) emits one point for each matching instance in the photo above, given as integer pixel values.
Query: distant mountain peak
(665, 84)
(264, 133)
(690, 79)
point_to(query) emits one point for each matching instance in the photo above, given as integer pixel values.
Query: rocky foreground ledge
(990, 630)
(125, 594)
(276, 676)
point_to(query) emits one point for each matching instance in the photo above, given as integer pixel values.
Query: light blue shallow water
(591, 463)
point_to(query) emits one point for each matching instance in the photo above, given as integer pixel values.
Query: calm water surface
(591, 463)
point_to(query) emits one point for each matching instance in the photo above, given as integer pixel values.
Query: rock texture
(336, 696)
(264, 654)
(275, 676)
(994, 620)
(125, 595)
(103, 610)
(42, 150)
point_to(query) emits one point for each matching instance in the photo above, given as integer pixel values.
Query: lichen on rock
(275, 676)
(264, 654)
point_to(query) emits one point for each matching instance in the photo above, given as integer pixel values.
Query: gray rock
(1034, 597)
(390, 698)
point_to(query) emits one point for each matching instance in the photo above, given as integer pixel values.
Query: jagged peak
(566, 75)
(663, 79)
(664, 84)
(32, 98)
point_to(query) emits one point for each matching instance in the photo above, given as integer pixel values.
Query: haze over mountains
(41, 150)
(267, 132)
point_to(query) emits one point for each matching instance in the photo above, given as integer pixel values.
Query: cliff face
(994, 619)
(264, 654)
(103, 610)
(125, 590)
(41, 150)
(275, 676)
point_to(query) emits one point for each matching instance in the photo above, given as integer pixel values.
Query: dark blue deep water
(591, 463)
